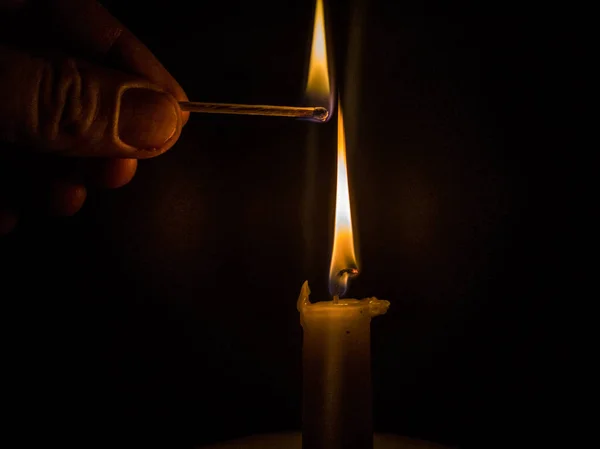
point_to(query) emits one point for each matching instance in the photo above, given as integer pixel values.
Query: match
(314, 113)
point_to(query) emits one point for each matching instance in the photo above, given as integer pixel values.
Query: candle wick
(339, 283)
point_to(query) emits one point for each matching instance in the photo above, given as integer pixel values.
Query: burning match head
(321, 115)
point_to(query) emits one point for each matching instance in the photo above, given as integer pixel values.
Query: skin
(81, 100)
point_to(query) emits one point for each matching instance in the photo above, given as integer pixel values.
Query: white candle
(336, 366)
(336, 351)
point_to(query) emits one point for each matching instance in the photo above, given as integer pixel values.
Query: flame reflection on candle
(343, 258)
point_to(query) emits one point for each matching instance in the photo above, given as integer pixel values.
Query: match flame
(343, 259)
(317, 87)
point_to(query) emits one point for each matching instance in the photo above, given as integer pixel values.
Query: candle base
(293, 440)
(336, 371)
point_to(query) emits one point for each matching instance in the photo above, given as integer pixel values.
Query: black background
(166, 310)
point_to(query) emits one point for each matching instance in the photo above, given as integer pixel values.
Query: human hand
(81, 99)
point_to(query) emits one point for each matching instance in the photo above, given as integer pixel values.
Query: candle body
(336, 360)
(293, 440)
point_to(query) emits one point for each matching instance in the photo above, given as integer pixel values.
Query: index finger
(94, 31)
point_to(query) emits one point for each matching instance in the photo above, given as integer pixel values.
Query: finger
(8, 221)
(42, 183)
(89, 26)
(110, 173)
(74, 108)
(65, 198)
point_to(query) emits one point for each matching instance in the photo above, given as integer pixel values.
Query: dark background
(165, 311)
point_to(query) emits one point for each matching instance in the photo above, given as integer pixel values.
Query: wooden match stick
(315, 113)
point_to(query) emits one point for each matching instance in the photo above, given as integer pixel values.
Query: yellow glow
(317, 85)
(343, 256)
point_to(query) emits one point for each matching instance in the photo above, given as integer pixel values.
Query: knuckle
(66, 103)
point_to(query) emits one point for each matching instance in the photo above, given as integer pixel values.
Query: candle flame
(318, 89)
(343, 258)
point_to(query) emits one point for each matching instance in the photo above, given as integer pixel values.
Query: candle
(336, 352)
(336, 368)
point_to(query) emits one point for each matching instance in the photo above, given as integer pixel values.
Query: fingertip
(8, 221)
(119, 172)
(148, 119)
(185, 116)
(66, 199)
(111, 173)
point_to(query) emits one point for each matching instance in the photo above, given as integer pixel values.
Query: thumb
(73, 107)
